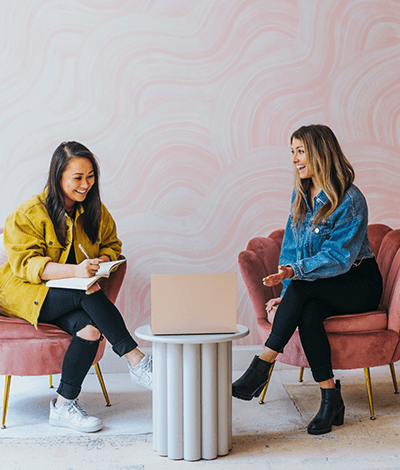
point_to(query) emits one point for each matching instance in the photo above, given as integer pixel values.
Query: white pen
(83, 251)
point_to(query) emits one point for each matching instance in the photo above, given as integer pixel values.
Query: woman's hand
(284, 272)
(87, 268)
(94, 288)
(272, 303)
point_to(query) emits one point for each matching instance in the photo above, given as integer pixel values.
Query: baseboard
(241, 358)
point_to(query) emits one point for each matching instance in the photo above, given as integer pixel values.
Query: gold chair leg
(5, 401)
(51, 381)
(369, 391)
(394, 380)
(261, 402)
(102, 384)
(301, 374)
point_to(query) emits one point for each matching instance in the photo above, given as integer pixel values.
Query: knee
(89, 333)
(312, 314)
(297, 291)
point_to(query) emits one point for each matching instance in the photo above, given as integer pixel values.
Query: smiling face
(300, 159)
(76, 181)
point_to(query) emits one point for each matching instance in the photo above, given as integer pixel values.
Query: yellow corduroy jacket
(31, 242)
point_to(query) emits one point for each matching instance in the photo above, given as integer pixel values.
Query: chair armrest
(376, 234)
(267, 250)
(393, 286)
(112, 285)
(258, 261)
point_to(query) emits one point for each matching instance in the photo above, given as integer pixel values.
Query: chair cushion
(26, 351)
(357, 323)
(15, 328)
(352, 323)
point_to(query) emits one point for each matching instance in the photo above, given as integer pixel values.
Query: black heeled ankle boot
(331, 411)
(251, 383)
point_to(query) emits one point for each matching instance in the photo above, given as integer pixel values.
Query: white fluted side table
(192, 393)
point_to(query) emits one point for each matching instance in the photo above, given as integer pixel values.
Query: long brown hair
(55, 203)
(330, 169)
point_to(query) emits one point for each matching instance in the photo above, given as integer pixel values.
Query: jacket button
(50, 242)
(36, 302)
(317, 230)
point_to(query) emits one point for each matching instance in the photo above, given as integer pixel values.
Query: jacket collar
(79, 211)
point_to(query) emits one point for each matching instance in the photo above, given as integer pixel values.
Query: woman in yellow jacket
(41, 238)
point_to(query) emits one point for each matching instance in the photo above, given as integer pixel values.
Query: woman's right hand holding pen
(87, 268)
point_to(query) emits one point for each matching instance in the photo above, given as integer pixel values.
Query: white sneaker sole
(143, 384)
(62, 424)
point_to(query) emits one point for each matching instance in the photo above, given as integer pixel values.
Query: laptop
(193, 303)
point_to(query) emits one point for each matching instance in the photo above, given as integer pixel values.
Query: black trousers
(72, 310)
(306, 304)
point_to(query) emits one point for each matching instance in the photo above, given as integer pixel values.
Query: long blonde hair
(330, 169)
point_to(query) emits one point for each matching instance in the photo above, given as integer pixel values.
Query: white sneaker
(71, 415)
(142, 373)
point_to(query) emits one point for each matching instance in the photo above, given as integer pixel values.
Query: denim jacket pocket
(317, 234)
(321, 230)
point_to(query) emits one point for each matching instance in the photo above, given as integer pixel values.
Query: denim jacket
(333, 245)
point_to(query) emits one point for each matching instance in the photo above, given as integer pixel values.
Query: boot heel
(257, 393)
(330, 412)
(338, 419)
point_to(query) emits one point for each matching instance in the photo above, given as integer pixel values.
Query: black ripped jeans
(306, 304)
(72, 310)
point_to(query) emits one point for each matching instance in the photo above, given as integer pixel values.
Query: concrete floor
(272, 436)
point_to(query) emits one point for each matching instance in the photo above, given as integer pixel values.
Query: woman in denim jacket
(326, 267)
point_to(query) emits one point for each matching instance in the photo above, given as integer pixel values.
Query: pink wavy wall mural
(189, 106)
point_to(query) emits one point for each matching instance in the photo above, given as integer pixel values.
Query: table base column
(192, 400)
(160, 419)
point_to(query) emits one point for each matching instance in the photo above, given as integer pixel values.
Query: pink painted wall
(189, 106)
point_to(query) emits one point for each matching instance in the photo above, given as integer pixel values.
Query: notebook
(193, 303)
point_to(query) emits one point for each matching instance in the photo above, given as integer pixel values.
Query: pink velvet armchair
(357, 341)
(25, 351)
